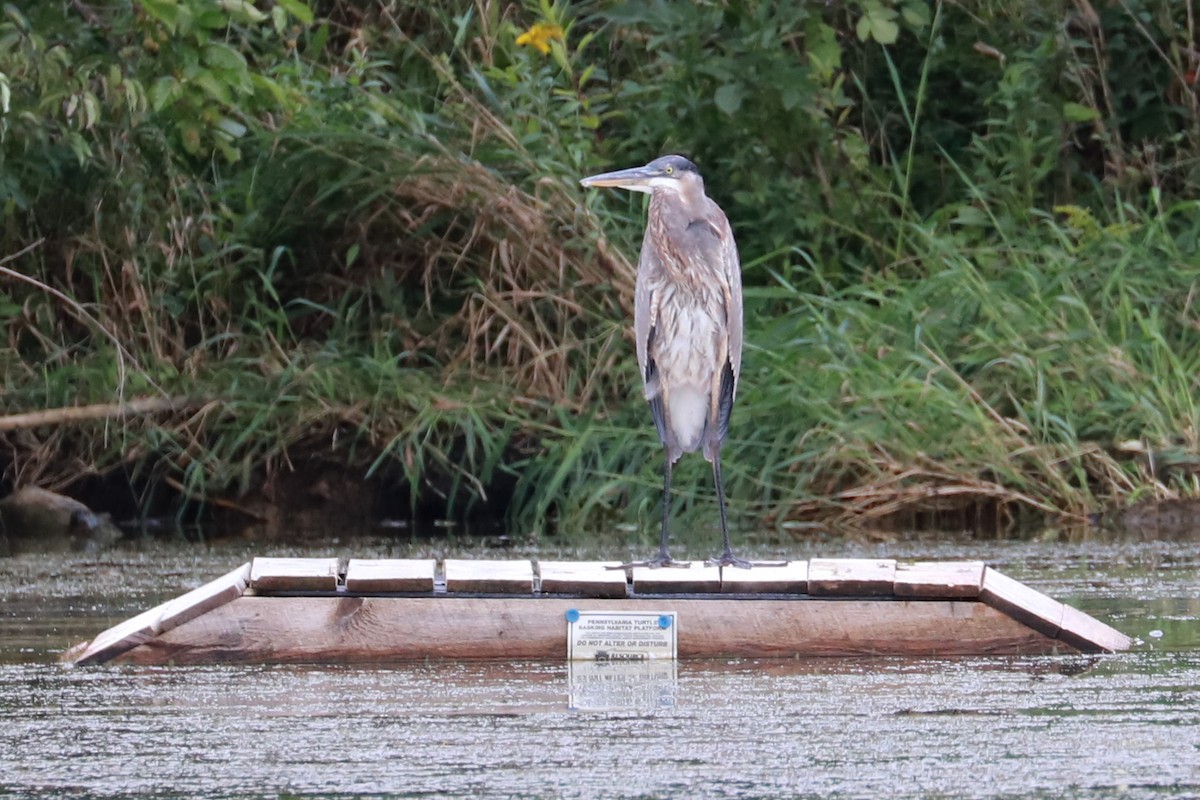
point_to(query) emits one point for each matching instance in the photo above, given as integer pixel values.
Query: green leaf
(824, 52)
(222, 56)
(729, 97)
(217, 90)
(242, 11)
(884, 31)
(792, 96)
(298, 9)
(207, 17)
(916, 13)
(1074, 112)
(878, 23)
(165, 91)
(316, 45)
(79, 146)
(91, 110)
(862, 28)
(17, 17)
(972, 216)
(231, 153)
(135, 96)
(165, 11)
(276, 91)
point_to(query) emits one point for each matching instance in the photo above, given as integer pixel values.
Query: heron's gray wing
(644, 311)
(732, 267)
(728, 267)
(645, 319)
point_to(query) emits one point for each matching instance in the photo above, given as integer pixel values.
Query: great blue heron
(688, 322)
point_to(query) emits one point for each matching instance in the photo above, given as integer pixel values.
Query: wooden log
(792, 578)
(697, 579)
(254, 629)
(489, 577)
(939, 579)
(165, 617)
(390, 575)
(583, 578)
(294, 574)
(852, 577)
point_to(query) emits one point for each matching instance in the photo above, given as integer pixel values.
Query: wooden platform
(376, 611)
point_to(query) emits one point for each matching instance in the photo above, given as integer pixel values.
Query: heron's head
(670, 173)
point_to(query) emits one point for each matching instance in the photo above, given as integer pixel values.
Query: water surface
(1116, 726)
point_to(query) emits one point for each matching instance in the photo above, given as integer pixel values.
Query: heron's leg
(664, 556)
(727, 558)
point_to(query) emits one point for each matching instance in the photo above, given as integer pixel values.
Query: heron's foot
(663, 560)
(728, 559)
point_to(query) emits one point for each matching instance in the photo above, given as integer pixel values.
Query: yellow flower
(540, 36)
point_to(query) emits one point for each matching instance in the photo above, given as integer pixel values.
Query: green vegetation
(350, 236)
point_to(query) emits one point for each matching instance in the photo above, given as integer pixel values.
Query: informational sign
(621, 635)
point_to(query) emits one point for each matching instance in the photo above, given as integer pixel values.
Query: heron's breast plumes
(685, 351)
(687, 343)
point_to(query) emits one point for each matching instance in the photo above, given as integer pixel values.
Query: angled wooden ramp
(276, 610)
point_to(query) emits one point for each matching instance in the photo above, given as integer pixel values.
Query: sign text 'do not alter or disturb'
(621, 636)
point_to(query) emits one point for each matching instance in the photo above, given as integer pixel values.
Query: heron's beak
(637, 179)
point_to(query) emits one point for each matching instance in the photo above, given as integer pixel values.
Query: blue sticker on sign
(572, 615)
(664, 621)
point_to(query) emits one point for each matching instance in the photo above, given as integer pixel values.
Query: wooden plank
(584, 578)
(390, 575)
(852, 577)
(294, 574)
(164, 617)
(489, 577)
(120, 638)
(1089, 634)
(1021, 602)
(939, 579)
(257, 629)
(203, 599)
(791, 578)
(697, 579)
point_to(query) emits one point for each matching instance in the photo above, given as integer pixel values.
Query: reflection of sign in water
(621, 636)
(643, 686)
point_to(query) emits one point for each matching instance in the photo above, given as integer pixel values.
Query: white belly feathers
(685, 351)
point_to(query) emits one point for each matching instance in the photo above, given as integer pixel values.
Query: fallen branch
(63, 416)
(219, 502)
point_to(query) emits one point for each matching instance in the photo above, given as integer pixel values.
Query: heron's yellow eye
(670, 170)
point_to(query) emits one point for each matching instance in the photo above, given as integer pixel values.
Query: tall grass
(378, 259)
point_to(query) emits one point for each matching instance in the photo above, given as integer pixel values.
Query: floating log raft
(277, 610)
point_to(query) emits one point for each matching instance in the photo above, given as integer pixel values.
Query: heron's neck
(685, 205)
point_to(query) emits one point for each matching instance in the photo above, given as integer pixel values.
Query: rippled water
(1118, 726)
